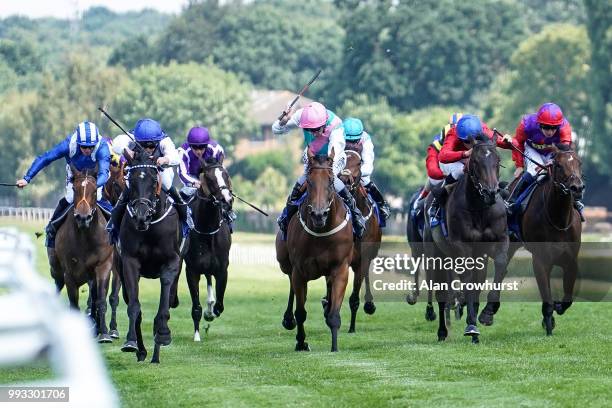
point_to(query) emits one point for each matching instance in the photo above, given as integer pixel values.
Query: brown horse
(112, 190)
(367, 248)
(319, 243)
(82, 252)
(551, 231)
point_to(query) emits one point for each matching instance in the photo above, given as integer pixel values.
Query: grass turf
(247, 358)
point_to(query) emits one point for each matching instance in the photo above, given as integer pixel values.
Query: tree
(265, 42)
(549, 66)
(182, 96)
(428, 52)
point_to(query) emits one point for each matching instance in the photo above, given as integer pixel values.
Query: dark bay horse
(209, 243)
(551, 231)
(477, 229)
(319, 243)
(112, 190)
(149, 246)
(366, 249)
(82, 252)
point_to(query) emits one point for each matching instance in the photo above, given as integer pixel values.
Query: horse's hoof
(155, 361)
(471, 330)
(196, 336)
(302, 347)
(218, 309)
(163, 339)
(104, 338)
(289, 324)
(369, 307)
(141, 355)
(129, 347)
(561, 307)
(411, 299)
(485, 318)
(208, 316)
(351, 330)
(175, 304)
(114, 334)
(475, 340)
(442, 335)
(430, 314)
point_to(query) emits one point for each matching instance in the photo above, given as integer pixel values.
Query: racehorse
(551, 231)
(82, 252)
(365, 250)
(209, 243)
(477, 228)
(319, 243)
(149, 246)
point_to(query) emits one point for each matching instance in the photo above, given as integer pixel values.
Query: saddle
(520, 205)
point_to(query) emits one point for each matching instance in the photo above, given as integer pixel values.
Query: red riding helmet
(550, 114)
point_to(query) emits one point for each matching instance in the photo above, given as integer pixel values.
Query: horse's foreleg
(368, 306)
(130, 278)
(570, 272)
(220, 285)
(193, 281)
(339, 279)
(430, 314)
(542, 268)
(114, 301)
(209, 315)
(358, 277)
(73, 294)
(288, 318)
(102, 281)
(300, 289)
(161, 330)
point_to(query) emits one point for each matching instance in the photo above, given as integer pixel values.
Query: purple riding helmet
(198, 136)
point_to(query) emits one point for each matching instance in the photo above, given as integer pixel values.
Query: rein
(475, 182)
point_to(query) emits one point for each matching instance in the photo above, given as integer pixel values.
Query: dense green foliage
(398, 65)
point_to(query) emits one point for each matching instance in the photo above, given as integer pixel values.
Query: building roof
(267, 105)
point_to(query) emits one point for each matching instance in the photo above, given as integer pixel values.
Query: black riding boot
(291, 209)
(55, 222)
(356, 216)
(116, 216)
(524, 182)
(383, 206)
(439, 193)
(182, 209)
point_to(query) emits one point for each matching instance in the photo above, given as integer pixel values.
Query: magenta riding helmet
(313, 116)
(198, 136)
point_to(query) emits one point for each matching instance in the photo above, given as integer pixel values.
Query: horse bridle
(551, 169)
(475, 182)
(149, 204)
(84, 198)
(330, 185)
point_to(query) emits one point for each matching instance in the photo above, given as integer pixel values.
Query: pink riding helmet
(313, 116)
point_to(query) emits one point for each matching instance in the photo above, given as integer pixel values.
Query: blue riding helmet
(468, 127)
(148, 130)
(353, 128)
(87, 134)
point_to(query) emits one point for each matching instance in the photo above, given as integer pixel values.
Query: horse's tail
(412, 230)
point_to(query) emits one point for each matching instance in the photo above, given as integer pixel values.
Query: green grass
(394, 359)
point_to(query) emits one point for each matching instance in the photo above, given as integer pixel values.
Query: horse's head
(320, 187)
(215, 182)
(85, 195)
(144, 177)
(483, 168)
(351, 175)
(116, 181)
(566, 171)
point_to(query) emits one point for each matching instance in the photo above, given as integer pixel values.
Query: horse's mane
(482, 139)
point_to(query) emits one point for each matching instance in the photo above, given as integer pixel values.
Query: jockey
(149, 134)
(199, 146)
(535, 136)
(83, 149)
(323, 132)
(457, 147)
(435, 176)
(354, 133)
